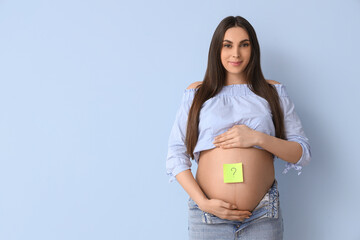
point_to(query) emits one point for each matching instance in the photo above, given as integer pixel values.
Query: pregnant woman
(233, 124)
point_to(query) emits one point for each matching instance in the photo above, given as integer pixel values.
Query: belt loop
(206, 218)
(203, 218)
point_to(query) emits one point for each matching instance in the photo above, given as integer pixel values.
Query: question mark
(234, 170)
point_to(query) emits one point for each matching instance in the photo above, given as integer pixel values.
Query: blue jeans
(265, 223)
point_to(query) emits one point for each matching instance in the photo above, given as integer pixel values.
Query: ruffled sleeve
(294, 132)
(177, 159)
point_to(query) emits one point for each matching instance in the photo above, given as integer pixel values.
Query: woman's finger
(229, 210)
(239, 213)
(229, 144)
(222, 139)
(227, 205)
(233, 218)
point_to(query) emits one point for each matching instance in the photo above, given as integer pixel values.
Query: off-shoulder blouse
(234, 105)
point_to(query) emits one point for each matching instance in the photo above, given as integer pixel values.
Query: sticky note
(233, 173)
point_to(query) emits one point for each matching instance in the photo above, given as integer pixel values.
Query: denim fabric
(265, 223)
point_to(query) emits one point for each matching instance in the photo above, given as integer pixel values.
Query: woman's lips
(235, 63)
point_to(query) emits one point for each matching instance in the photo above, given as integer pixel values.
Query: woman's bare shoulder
(273, 82)
(194, 85)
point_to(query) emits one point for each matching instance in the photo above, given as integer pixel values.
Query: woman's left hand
(237, 136)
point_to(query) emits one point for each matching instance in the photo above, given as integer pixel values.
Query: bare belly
(258, 173)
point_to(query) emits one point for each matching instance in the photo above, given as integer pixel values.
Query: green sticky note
(233, 173)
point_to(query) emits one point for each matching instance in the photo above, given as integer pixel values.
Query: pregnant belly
(258, 175)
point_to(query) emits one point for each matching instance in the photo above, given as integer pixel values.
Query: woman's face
(235, 51)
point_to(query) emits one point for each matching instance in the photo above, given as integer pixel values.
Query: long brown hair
(215, 77)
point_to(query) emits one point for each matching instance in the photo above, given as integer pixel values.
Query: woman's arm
(242, 136)
(188, 182)
(294, 149)
(288, 151)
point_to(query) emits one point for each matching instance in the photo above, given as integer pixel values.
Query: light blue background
(89, 92)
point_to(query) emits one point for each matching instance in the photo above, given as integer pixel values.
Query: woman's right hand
(224, 210)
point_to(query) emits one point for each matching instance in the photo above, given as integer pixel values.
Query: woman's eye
(243, 45)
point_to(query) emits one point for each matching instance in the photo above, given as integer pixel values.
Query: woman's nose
(236, 53)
